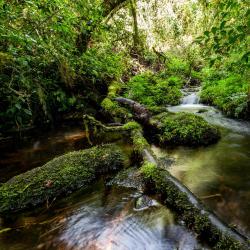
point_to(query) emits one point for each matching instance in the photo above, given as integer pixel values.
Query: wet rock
(144, 202)
(129, 178)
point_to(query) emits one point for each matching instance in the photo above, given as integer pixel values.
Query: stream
(100, 217)
(218, 174)
(110, 217)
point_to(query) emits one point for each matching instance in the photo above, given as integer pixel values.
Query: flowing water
(101, 217)
(98, 218)
(218, 174)
(105, 217)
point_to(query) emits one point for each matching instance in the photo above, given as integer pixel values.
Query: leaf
(5, 230)
(199, 39)
(245, 57)
(18, 106)
(222, 25)
(232, 39)
(211, 63)
(223, 33)
(206, 33)
(221, 6)
(214, 29)
(240, 28)
(224, 14)
(28, 112)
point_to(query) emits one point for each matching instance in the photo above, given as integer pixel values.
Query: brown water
(34, 151)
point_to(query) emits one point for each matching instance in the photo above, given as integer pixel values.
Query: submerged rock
(144, 202)
(61, 175)
(129, 178)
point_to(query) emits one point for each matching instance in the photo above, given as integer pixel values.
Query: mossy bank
(61, 175)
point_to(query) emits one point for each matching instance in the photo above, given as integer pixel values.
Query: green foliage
(228, 91)
(188, 129)
(46, 68)
(153, 90)
(101, 65)
(177, 65)
(229, 31)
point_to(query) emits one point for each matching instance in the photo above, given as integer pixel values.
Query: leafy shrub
(101, 64)
(229, 93)
(152, 90)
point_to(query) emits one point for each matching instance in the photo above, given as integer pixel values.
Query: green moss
(152, 90)
(158, 182)
(227, 243)
(187, 129)
(139, 142)
(109, 105)
(132, 125)
(148, 169)
(114, 89)
(61, 175)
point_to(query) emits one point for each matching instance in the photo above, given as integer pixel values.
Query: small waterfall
(190, 96)
(190, 99)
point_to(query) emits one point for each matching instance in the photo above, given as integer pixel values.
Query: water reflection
(219, 175)
(98, 218)
(38, 150)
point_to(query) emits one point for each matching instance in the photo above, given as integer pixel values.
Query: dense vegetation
(59, 57)
(119, 65)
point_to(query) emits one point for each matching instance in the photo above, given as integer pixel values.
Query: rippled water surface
(98, 218)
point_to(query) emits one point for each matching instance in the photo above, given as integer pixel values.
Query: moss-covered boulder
(60, 176)
(187, 129)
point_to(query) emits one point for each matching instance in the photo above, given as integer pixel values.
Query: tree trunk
(136, 38)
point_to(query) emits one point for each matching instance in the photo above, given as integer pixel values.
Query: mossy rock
(187, 129)
(61, 175)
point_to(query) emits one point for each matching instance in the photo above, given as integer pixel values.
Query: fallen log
(189, 208)
(61, 175)
(178, 197)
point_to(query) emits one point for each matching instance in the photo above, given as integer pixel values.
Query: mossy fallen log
(188, 207)
(61, 175)
(177, 196)
(203, 222)
(173, 129)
